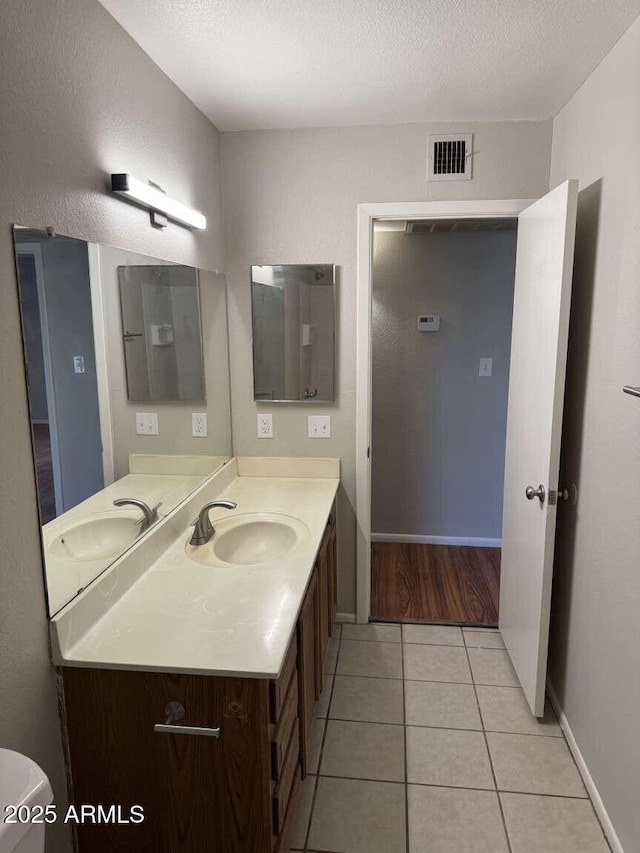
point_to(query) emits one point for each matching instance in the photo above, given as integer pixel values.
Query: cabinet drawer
(278, 689)
(290, 769)
(282, 735)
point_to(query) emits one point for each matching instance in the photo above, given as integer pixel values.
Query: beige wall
(174, 419)
(291, 196)
(431, 411)
(79, 99)
(595, 647)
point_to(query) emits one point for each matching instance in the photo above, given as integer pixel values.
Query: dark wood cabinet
(234, 793)
(198, 793)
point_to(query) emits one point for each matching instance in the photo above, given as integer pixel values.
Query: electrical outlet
(146, 423)
(78, 364)
(199, 424)
(319, 426)
(265, 426)
(486, 367)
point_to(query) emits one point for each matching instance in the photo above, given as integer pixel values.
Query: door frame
(96, 285)
(367, 213)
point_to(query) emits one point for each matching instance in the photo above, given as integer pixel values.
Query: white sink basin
(97, 538)
(250, 540)
(22, 783)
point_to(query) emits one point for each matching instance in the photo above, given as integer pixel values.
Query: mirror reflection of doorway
(442, 303)
(55, 296)
(33, 347)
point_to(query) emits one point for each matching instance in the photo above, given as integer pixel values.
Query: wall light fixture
(156, 202)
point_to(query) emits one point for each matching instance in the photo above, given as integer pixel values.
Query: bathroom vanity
(188, 686)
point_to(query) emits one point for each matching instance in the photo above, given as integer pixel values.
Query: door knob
(532, 493)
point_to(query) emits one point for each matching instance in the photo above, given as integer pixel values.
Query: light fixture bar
(155, 200)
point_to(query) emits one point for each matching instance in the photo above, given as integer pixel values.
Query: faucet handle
(204, 512)
(204, 530)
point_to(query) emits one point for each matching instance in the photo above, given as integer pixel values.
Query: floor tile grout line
(313, 803)
(324, 735)
(431, 726)
(456, 787)
(367, 640)
(471, 626)
(369, 779)
(428, 680)
(404, 730)
(404, 642)
(486, 743)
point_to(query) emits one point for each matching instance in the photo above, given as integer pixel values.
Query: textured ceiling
(305, 63)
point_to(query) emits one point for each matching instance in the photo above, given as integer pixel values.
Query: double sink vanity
(191, 593)
(189, 669)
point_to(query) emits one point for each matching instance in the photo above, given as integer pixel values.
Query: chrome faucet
(204, 530)
(150, 514)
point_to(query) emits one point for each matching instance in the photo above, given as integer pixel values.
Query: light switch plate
(147, 423)
(199, 424)
(78, 364)
(319, 426)
(486, 367)
(265, 426)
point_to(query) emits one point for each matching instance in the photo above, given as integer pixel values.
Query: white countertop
(179, 616)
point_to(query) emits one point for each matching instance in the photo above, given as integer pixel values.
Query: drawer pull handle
(175, 711)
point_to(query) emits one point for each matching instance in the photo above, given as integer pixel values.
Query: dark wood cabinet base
(232, 793)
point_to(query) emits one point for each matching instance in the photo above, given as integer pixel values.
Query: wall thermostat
(429, 323)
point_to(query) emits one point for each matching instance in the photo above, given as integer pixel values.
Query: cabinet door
(198, 793)
(307, 666)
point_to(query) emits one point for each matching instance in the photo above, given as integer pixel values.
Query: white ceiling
(252, 64)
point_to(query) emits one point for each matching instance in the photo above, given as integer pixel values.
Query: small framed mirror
(293, 316)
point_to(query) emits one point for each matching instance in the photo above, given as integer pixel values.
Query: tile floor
(423, 743)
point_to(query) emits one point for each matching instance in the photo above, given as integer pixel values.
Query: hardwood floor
(44, 472)
(435, 583)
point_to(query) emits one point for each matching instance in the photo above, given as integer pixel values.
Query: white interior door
(544, 260)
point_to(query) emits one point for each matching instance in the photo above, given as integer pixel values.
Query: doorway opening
(442, 301)
(38, 379)
(539, 339)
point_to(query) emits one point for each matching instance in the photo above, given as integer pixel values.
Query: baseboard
(345, 617)
(590, 785)
(478, 542)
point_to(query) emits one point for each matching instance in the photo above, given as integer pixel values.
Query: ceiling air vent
(450, 157)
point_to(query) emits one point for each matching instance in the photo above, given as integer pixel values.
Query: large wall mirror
(121, 351)
(293, 316)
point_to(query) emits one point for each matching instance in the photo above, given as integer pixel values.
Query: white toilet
(22, 783)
